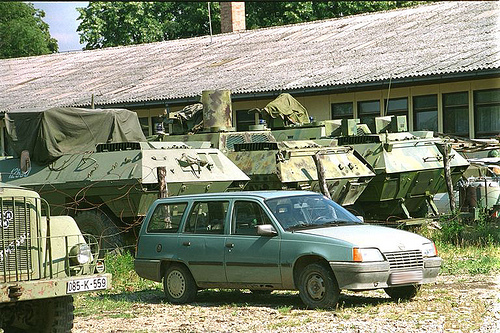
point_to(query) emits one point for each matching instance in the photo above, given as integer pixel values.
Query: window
(367, 112)
(425, 113)
(207, 218)
(487, 112)
(244, 119)
(247, 216)
(342, 111)
(397, 107)
(456, 113)
(167, 218)
(144, 121)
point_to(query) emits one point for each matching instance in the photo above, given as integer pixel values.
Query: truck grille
(15, 244)
(405, 260)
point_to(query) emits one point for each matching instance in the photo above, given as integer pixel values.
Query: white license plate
(406, 277)
(96, 283)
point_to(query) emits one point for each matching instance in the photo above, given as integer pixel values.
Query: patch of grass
(284, 309)
(472, 260)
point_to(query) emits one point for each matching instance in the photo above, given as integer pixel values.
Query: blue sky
(62, 20)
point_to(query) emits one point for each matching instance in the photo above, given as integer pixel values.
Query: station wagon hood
(370, 236)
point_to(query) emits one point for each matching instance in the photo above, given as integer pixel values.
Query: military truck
(339, 172)
(409, 166)
(44, 261)
(97, 166)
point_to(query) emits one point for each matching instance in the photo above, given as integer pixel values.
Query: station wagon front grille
(405, 260)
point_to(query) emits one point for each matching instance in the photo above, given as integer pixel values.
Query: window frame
(344, 116)
(192, 208)
(433, 109)
(477, 133)
(370, 114)
(455, 109)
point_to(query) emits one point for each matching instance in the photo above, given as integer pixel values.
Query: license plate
(97, 283)
(406, 277)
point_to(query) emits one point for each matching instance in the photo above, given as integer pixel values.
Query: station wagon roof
(246, 194)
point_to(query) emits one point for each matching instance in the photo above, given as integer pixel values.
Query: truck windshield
(308, 211)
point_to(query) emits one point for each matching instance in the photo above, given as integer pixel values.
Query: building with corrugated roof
(437, 63)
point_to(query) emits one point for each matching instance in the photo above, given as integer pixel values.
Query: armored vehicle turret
(97, 166)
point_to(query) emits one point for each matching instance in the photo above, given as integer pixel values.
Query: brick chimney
(232, 16)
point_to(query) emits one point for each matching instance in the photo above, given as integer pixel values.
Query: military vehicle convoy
(273, 164)
(395, 172)
(44, 261)
(97, 166)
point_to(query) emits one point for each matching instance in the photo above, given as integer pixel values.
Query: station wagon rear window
(167, 218)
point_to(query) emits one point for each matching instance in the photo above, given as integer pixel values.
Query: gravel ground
(452, 304)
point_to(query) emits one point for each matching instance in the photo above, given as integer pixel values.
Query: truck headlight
(80, 254)
(366, 255)
(429, 250)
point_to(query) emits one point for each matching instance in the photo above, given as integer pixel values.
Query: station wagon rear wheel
(318, 287)
(179, 285)
(403, 293)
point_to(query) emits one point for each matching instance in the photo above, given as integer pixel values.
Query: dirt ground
(452, 304)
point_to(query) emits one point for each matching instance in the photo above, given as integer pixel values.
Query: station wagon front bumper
(375, 275)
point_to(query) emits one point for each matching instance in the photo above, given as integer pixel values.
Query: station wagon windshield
(307, 211)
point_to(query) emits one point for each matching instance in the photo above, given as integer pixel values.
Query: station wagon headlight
(429, 250)
(366, 255)
(80, 254)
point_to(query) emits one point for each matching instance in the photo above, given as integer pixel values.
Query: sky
(62, 20)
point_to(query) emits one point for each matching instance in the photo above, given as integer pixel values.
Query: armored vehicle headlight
(80, 254)
(366, 255)
(429, 250)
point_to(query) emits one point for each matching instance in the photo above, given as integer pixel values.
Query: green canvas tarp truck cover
(48, 134)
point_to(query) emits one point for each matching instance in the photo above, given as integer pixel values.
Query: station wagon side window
(167, 217)
(207, 217)
(247, 215)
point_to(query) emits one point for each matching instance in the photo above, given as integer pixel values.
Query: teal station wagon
(263, 241)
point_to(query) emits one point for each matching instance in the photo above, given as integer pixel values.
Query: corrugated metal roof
(430, 40)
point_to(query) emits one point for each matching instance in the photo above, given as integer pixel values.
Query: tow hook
(15, 292)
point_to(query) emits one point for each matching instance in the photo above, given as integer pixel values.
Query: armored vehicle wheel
(179, 285)
(318, 287)
(97, 223)
(403, 293)
(53, 315)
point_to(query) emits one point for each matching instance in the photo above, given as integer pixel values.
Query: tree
(22, 31)
(107, 24)
(123, 23)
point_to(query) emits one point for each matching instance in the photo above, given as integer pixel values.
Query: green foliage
(105, 24)
(121, 266)
(458, 260)
(22, 31)
(266, 14)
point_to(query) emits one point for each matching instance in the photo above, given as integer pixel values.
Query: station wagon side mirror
(266, 230)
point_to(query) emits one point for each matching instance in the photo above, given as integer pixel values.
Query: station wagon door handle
(186, 243)
(230, 245)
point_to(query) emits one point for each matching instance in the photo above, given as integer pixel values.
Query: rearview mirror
(266, 230)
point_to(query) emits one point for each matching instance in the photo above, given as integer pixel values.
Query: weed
(284, 309)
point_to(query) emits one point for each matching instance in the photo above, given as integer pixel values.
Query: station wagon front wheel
(318, 287)
(179, 285)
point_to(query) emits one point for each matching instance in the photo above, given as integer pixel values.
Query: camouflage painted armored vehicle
(409, 166)
(339, 172)
(44, 261)
(97, 166)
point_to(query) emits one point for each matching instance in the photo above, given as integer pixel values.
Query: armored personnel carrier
(97, 166)
(339, 172)
(408, 165)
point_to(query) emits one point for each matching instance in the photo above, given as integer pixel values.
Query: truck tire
(98, 224)
(54, 315)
